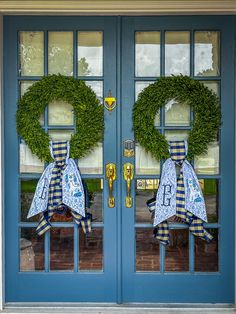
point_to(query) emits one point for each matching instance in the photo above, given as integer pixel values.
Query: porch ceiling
(115, 7)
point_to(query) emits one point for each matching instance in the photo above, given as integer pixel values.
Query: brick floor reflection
(147, 251)
(91, 251)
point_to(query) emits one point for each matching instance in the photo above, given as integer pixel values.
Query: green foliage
(204, 103)
(28, 186)
(87, 110)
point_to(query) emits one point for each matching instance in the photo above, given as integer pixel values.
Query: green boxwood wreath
(87, 109)
(204, 103)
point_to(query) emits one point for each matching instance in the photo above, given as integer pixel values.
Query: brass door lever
(128, 176)
(111, 177)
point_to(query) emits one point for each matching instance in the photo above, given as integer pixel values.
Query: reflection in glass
(90, 53)
(31, 53)
(207, 53)
(176, 113)
(208, 163)
(94, 193)
(144, 162)
(210, 191)
(63, 216)
(24, 85)
(28, 187)
(29, 163)
(31, 250)
(177, 253)
(206, 254)
(147, 251)
(147, 54)
(176, 135)
(97, 87)
(139, 87)
(213, 86)
(91, 250)
(60, 113)
(92, 163)
(60, 53)
(145, 190)
(62, 249)
(60, 135)
(177, 53)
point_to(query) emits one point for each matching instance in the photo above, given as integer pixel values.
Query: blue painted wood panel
(120, 282)
(180, 287)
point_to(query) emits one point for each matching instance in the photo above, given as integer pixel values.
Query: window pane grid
(161, 257)
(24, 81)
(212, 82)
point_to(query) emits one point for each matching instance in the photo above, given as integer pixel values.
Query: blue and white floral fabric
(179, 196)
(59, 188)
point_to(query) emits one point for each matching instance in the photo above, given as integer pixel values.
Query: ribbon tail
(197, 229)
(162, 233)
(84, 222)
(43, 225)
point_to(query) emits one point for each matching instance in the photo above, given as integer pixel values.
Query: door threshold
(105, 308)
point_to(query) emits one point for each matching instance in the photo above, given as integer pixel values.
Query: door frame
(2, 166)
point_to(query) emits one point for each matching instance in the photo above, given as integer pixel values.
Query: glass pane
(60, 113)
(24, 85)
(31, 250)
(209, 162)
(92, 163)
(145, 190)
(147, 251)
(90, 53)
(139, 87)
(31, 53)
(213, 86)
(97, 87)
(177, 254)
(64, 216)
(176, 135)
(94, 192)
(210, 189)
(144, 162)
(207, 53)
(91, 250)
(60, 53)
(177, 53)
(28, 187)
(177, 114)
(62, 249)
(29, 163)
(147, 54)
(60, 135)
(206, 254)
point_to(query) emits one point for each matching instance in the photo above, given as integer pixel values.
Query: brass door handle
(128, 176)
(111, 177)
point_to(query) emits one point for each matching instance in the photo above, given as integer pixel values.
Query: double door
(119, 261)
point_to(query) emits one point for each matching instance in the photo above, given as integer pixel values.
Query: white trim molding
(115, 7)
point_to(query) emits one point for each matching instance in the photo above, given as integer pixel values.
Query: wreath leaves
(87, 110)
(204, 103)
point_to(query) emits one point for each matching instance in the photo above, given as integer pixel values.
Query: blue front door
(119, 261)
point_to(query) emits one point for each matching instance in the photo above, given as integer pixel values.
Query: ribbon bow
(179, 195)
(60, 189)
